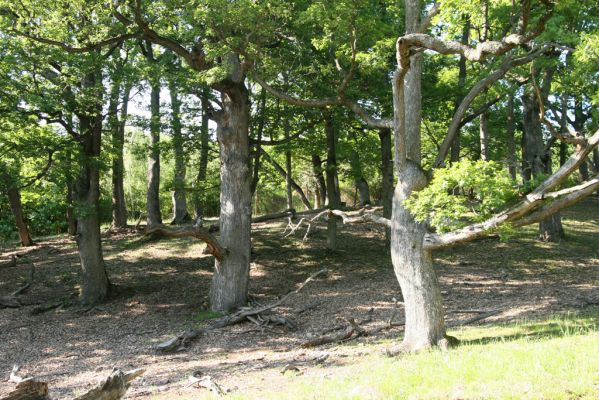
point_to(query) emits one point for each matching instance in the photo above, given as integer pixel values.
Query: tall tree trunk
(321, 186)
(387, 175)
(258, 147)
(95, 284)
(511, 143)
(333, 194)
(14, 198)
(293, 184)
(117, 127)
(288, 165)
(537, 161)
(204, 147)
(180, 214)
(358, 175)
(484, 136)
(231, 275)
(413, 265)
(154, 216)
(71, 221)
(455, 145)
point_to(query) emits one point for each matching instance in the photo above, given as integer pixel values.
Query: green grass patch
(557, 358)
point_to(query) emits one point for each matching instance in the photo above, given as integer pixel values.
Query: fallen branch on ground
(114, 387)
(245, 312)
(212, 245)
(11, 301)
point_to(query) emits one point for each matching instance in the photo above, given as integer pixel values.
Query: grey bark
(321, 186)
(231, 276)
(484, 136)
(180, 214)
(387, 176)
(154, 216)
(95, 284)
(204, 147)
(332, 180)
(537, 160)
(117, 128)
(455, 145)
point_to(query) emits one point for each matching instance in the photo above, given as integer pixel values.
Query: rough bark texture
(180, 214)
(95, 285)
(204, 147)
(413, 88)
(333, 194)
(119, 206)
(387, 176)
(413, 266)
(231, 276)
(14, 198)
(321, 186)
(537, 160)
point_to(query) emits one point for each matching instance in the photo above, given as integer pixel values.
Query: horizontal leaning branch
(517, 215)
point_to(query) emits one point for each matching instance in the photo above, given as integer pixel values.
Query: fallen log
(114, 387)
(212, 245)
(27, 389)
(267, 217)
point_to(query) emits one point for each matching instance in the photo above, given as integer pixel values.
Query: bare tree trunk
(455, 145)
(321, 187)
(358, 175)
(204, 146)
(71, 221)
(293, 184)
(117, 127)
(387, 176)
(333, 194)
(288, 166)
(95, 284)
(231, 275)
(413, 264)
(511, 143)
(484, 136)
(258, 147)
(154, 216)
(14, 198)
(180, 214)
(536, 161)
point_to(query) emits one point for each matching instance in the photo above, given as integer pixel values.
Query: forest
(307, 199)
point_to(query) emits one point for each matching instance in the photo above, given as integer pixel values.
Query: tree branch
(212, 245)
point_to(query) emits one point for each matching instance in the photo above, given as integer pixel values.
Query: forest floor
(163, 290)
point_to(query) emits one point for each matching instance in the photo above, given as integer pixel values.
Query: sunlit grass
(556, 358)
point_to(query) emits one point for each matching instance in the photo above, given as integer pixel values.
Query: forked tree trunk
(333, 194)
(14, 198)
(180, 214)
(231, 275)
(413, 266)
(95, 285)
(321, 186)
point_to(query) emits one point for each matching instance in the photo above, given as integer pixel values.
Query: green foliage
(466, 192)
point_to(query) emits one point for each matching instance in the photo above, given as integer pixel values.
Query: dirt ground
(163, 290)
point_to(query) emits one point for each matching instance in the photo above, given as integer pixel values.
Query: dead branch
(114, 387)
(212, 245)
(262, 218)
(11, 300)
(326, 339)
(27, 389)
(246, 311)
(207, 382)
(178, 342)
